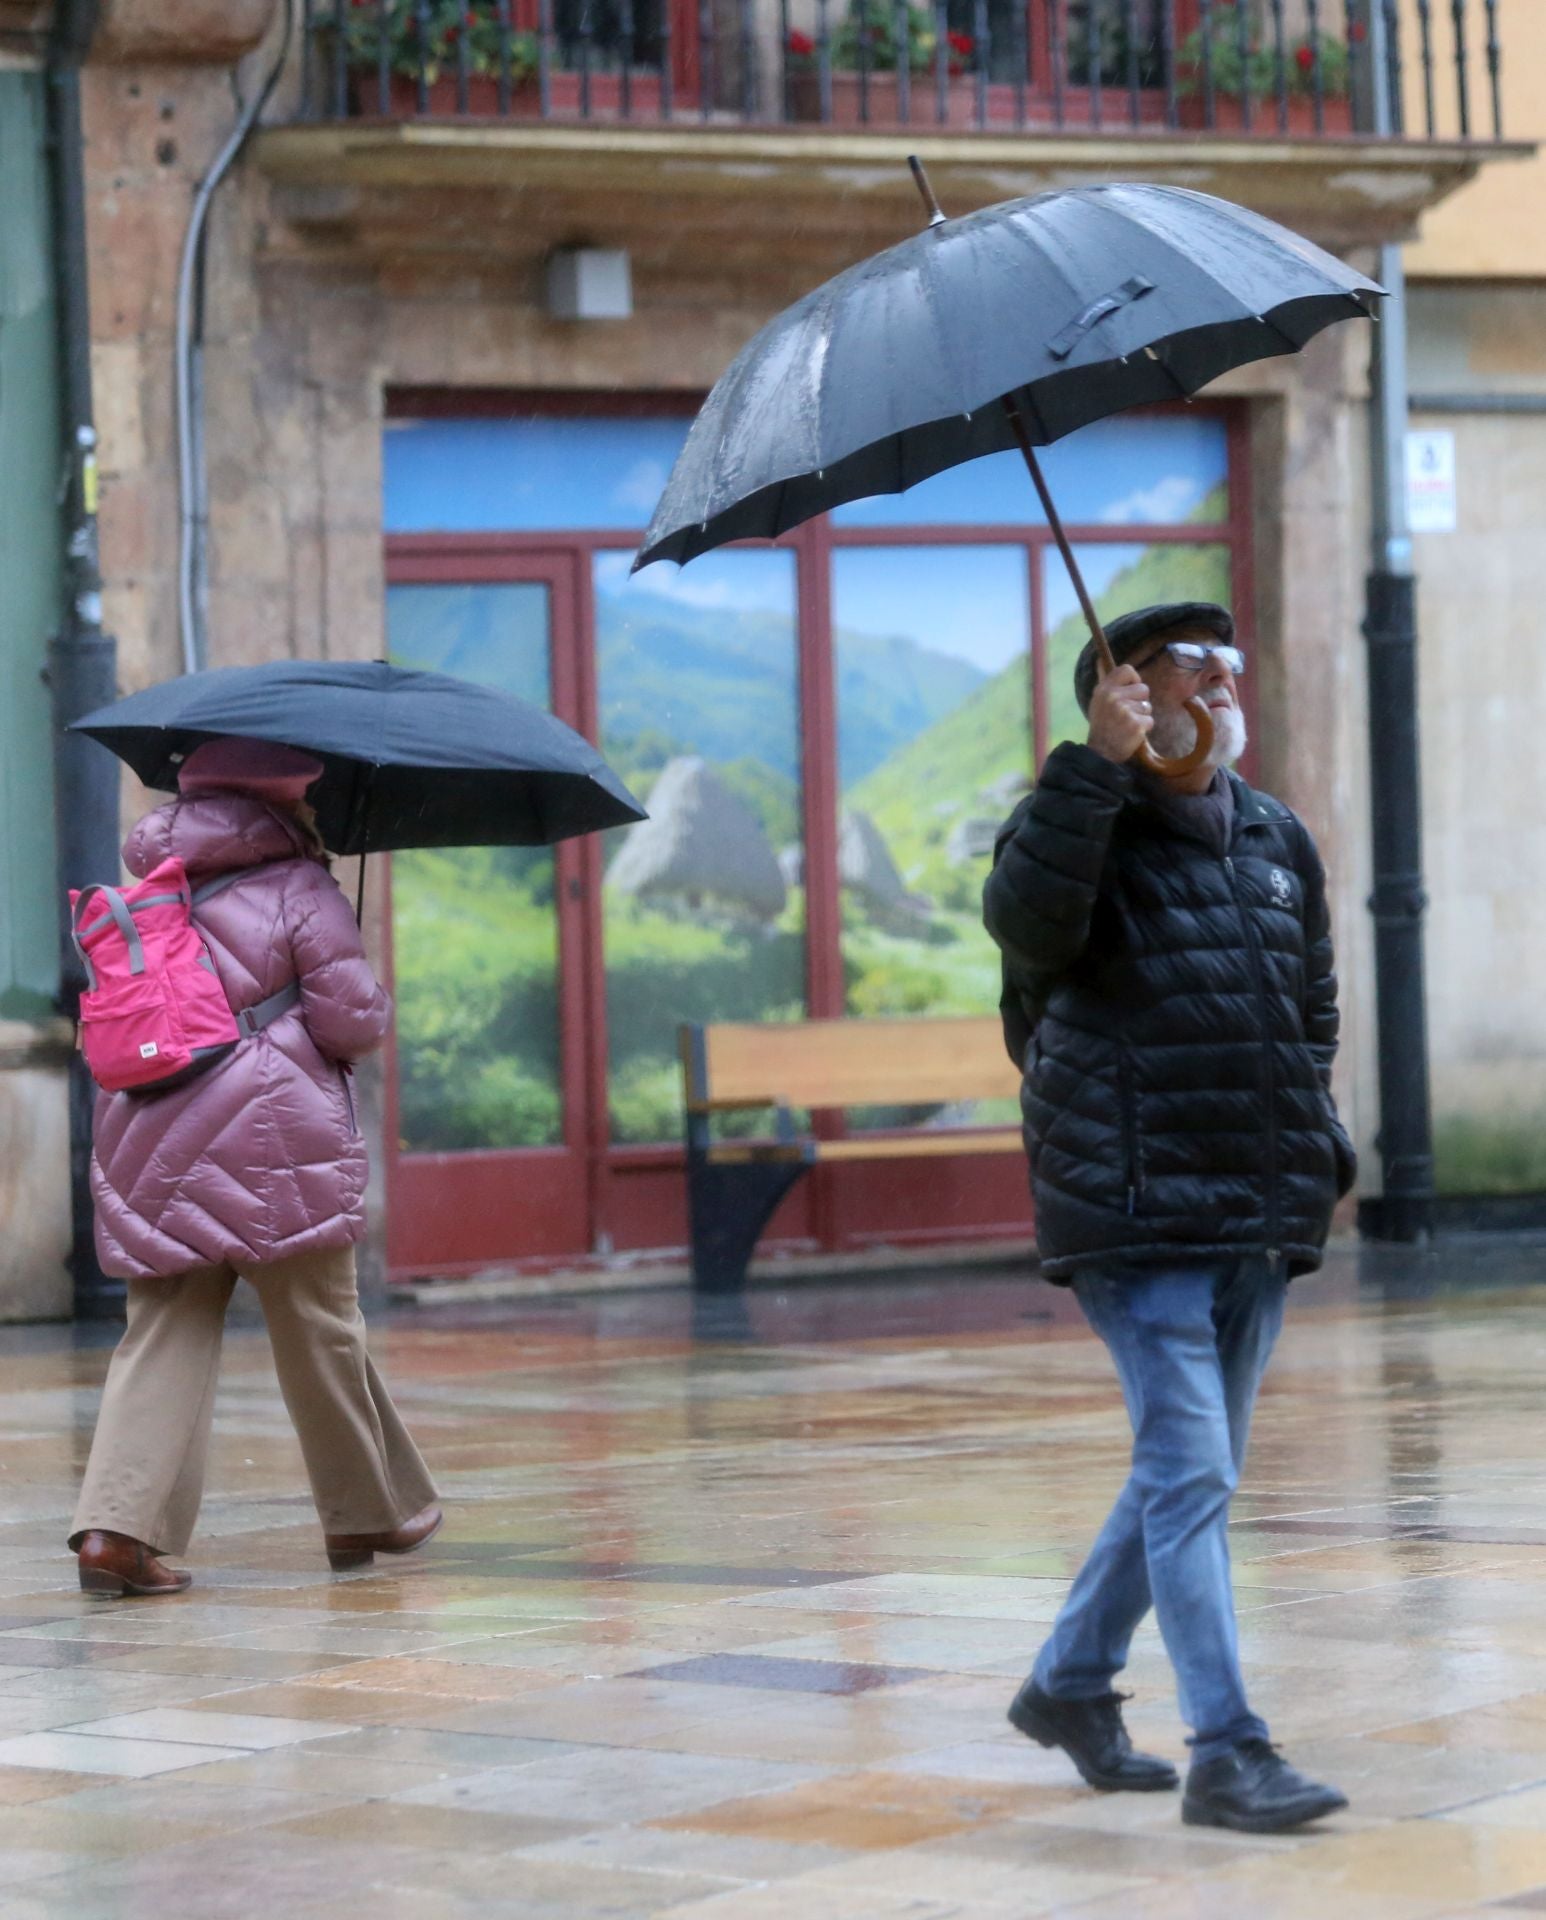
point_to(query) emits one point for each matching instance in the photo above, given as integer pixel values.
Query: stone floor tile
(611, 1786)
(763, 1671)
(211, 1805)
(20, 1866)
(321, 1775)
(1031, 1886)
(453, 1753)
(90, 1753)
(426, 1675)
(354, 1706)
(1522, 1807)
(24, 1786)
(861, 1811)
(784, 1899)
(210, 1728)
(224, 1662)
(393, 1823)
(736, 1859)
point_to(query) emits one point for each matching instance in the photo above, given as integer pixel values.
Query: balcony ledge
(342, 176)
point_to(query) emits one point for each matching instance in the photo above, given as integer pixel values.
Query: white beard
(1176, 735)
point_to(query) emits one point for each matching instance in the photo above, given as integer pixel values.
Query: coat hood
(214, 833)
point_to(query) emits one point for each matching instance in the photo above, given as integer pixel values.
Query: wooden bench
(733, 1186)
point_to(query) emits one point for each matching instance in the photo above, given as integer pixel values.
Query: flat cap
(1129, 633)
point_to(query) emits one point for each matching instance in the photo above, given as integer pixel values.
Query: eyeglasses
(1193, 656)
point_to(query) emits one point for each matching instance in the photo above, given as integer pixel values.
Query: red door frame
(456, 1210)
(636, 1193)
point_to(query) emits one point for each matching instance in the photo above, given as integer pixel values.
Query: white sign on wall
(1430, 481)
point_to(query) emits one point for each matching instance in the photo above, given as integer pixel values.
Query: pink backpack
(154, 1013)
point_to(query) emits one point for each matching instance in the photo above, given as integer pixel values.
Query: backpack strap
(118, 909)
(266, 1012)
(211, 887)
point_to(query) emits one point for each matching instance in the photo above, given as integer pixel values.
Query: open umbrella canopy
(410, 759)
(1073, 305)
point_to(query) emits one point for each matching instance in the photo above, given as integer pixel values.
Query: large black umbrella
(1008, 327)
(410, 759)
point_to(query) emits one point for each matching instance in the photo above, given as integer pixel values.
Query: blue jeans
(1190, 1346)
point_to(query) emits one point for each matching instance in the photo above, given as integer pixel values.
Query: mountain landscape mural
(933, 751)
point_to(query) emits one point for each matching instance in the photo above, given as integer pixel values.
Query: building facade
(1478, 393)
(411, 452)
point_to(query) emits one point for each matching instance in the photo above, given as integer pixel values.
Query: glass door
(487, 1119)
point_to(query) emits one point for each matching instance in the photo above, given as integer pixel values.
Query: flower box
(1228, 118)
(565, 92)
(884, 100)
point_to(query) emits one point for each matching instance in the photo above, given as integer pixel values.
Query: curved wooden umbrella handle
(1146, 757)
(1185, 763)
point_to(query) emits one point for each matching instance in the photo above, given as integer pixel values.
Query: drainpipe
(1399, 903)
(82, 660)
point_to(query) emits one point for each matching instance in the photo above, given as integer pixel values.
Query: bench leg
(728, 1207)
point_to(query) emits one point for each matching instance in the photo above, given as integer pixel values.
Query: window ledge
(356, 181)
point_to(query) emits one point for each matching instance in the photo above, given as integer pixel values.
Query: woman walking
(255, 1169)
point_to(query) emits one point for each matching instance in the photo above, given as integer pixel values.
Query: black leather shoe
(1253, 1789)
(1091, 1733)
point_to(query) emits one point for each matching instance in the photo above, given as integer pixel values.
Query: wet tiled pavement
(725, 1617)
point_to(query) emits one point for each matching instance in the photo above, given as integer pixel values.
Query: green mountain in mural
(723, 684)
(952, 773)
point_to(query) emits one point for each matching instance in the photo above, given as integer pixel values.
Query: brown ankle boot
(345, 1550)
(116, 1564)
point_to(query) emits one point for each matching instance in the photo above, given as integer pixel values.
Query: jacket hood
(214, 833)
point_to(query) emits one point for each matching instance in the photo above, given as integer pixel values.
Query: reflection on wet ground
(731, 1600)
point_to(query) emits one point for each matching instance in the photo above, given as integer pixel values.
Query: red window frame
(638, 1191)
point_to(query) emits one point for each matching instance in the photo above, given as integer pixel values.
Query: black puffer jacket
(1175, 1016)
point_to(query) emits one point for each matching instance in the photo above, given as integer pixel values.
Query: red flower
(1358, 31)
(1305, 57)
(961, 43)
(801, 45)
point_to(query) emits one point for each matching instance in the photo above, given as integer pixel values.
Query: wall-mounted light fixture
(590, 283)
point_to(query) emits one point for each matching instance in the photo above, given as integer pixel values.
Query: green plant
(1489, 1153)
(867, 38)
(1260, 67)
(426, 37)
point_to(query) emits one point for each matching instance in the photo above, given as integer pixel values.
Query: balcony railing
(1273, 68)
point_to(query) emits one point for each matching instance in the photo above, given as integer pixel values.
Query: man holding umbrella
(1164, 927)
(1169, 991)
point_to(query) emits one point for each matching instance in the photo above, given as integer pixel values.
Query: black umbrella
(410, 759)
(1006, 328)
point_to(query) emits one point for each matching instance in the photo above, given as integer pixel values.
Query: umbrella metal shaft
(1202, 720)
(1054, 521)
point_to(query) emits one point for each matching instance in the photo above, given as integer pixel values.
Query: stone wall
(35, 1281)
(1480, 351)
(1309, 471)
(1480, 594)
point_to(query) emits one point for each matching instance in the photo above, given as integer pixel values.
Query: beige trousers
(145, 1476)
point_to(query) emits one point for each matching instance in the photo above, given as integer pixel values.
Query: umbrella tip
(936, 217)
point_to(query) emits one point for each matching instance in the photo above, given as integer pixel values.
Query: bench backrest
(846, 1063)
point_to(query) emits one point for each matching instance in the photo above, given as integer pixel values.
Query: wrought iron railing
(1316, 68)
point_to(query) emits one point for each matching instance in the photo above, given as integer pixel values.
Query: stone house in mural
(380, 298)
(701, 845)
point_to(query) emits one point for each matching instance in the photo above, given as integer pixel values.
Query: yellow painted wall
(1496, 227)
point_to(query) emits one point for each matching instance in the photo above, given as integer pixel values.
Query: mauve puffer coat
(260, 1157)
